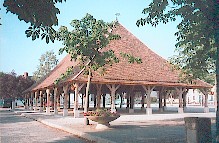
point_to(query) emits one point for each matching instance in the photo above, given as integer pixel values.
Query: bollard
(198, 130)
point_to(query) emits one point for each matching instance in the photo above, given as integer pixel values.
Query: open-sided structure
(154, 73)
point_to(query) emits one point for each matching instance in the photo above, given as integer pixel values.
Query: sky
(21, 54)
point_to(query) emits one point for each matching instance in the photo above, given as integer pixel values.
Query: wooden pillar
(128, 102)
(113, 89)
(205, 92)
(148, 90)
(160, 92)
(82, 101)
(56, 94)
(31, 100)
(66, 93)
(132, 100)
(104, 100)
(26, 101)
(51, 98)
(36, 96)
(142, 100)
(41, 100)
(121, 102)
(184, 100)
(180, 91)
(58, 99)
(98, 86)
(165, 100)
(44, 100)
(76, 112)
(95, 100)
(69, 100)
(77, 89)
(48, 101)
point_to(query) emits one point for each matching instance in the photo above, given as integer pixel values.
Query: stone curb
(70, 130)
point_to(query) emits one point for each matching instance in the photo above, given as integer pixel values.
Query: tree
(23, 83)
(8, 85)
(12, 86)
(47, 62)
(86, 44)
(41, 14)
(197, 36)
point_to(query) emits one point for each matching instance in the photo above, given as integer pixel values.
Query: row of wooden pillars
(77, 87)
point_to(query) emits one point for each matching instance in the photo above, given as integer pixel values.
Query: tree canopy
(41, 14)
(86, 42)
(12, 86)
(196, 37)
(47, 62)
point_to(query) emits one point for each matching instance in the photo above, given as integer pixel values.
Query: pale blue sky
(21, 53)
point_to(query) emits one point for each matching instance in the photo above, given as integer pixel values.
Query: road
(18, 129)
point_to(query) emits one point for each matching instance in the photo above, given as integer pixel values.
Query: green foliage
(196, 36)
(12, 86)
(65, 75)
(131, 58)
(87, 40)
(47, 62)
(41, 14)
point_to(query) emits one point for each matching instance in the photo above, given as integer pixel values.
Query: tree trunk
(87, 97)
(216, 28)
(217, 90)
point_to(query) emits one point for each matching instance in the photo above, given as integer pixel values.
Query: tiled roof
(154, 70)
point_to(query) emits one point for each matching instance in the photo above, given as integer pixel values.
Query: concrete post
(198, 130)
(48, 102)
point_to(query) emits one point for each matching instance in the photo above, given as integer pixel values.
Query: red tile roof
(154, 70)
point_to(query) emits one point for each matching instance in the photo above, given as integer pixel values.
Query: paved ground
(141, 128)
(17, 129)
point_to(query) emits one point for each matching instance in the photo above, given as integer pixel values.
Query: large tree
(86, 43)
(40, 14)
(197, 35)
(47, 62)
(12, 86)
